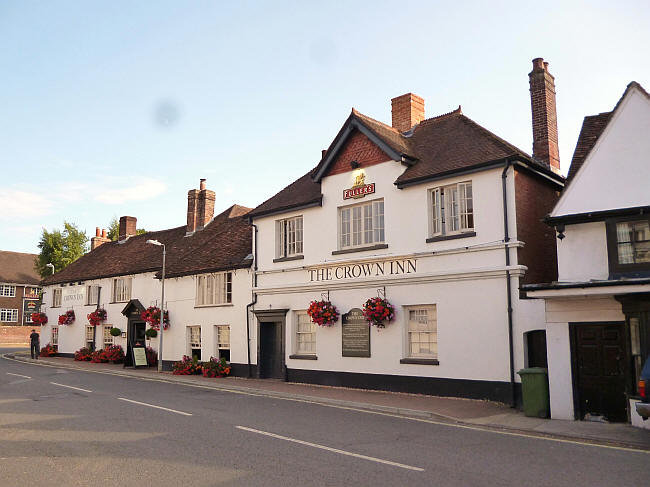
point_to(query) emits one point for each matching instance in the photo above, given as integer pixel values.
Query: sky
(119, 108)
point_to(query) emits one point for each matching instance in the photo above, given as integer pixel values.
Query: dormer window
(288, 238)
(451, 210)
(628, 243)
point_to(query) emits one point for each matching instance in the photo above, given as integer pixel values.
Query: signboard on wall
(73, 296)
(30, 306)
(355, 334)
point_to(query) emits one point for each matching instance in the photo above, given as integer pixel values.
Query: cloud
(144, 190)
(18, 205)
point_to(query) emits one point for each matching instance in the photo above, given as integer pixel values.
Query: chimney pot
(544, 115)
(104, 233)
(97, 234)
(407, 111)
(202, 184)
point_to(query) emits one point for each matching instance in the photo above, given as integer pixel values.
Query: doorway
(271, 351)
(600, 364)
(135, 337)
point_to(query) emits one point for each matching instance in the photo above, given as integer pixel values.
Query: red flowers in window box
(377, 311)
(39, 319)
(323, 313)
(186, 366)
(215, 368)
(96, 317)
(83, 354)
(67, 318)
(152, 316)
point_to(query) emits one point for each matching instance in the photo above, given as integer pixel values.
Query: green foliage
(116, 332)
(61, 248)
(114, 229)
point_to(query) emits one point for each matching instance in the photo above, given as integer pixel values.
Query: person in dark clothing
(34, 342)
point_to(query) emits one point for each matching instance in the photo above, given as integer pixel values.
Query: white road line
(19, 375)
(154, 406)
(70, 387)
(335, 450)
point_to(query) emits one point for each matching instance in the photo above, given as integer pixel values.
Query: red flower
(323, 313)
(378, 310)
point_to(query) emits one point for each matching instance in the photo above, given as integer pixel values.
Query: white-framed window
(90, 336)
(92, 295)
(8, 315)
(214, 289)
(422, 332)
(288, 237)
(194, 341)
(55, 337)
(56, 297)
(451, 209)
(7, 290)
(28, 317)
(121, 289)
(223, 342)
(305, 334)
(108, 338)
(361, 225)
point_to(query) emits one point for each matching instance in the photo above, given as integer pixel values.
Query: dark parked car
(643, 407)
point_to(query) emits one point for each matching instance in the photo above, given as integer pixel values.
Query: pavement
(471, 413)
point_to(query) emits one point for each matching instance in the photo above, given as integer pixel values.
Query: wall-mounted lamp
(560, 231)
(355, 164)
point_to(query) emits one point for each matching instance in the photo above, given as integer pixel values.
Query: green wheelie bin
(534, 391)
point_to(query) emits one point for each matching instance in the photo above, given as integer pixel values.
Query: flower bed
(152, 316)
(96, 317)
(323, 313)
(83, 354)
(114, 354)
(67, 318)
(98, 357)
(215, 368)
(377, 311)
(186, 366)
(39, 319)
(48, 350)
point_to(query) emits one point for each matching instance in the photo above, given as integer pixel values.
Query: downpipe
(253, 302)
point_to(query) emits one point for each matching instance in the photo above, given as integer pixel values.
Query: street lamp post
(162, 303)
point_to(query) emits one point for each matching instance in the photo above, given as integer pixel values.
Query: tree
(114, 229)
(60, 248)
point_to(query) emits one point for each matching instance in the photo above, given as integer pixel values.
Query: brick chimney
(127, 227)
(407, 110)
(200, 207)
(542, 101)
(99, 238)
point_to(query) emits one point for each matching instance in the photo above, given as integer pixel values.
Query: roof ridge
(457, 111)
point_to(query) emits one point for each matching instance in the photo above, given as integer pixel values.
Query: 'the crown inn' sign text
(370, 269)
(73, 296)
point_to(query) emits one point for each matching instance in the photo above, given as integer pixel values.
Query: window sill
(454, 236)
(118, 302)
(360, 249)
(303, 357)
(221, 305)
(288, 259)
(420, 361)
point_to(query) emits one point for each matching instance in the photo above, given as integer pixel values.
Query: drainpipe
(506, 239)
(252, 303)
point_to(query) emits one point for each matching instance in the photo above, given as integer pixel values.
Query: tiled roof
(223, 244)
(436, 147)
(302, 192)
(18, 268)
(592, 127)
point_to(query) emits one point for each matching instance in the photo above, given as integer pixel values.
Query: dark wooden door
(271, 351)
(135, 337)
(601, 366)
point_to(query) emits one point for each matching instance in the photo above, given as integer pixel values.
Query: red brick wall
(358, 148)
(15, 335)
(534, 199)
(14, 303)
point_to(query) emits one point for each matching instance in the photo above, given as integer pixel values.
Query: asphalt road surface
(66, 427)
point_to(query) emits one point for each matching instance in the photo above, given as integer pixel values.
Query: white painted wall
(621, 156)
(582, 253)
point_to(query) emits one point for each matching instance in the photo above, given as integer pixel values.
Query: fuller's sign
(359, 189)
(363, 269)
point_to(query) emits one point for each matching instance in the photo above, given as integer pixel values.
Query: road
(66, 427)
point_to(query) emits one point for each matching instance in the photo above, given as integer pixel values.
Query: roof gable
(611, 166)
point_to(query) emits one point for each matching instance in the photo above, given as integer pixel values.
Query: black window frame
(617, 270)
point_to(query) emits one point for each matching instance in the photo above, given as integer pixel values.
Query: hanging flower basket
(377, 311)
(96, 317)
(67, 318)
(152, 316)
(39, 319)
(323, 313)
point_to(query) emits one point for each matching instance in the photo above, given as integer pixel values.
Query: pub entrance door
(601, 369)
(135, 337)
(271, 353)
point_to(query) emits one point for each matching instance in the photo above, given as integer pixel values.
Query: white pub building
(440, 217)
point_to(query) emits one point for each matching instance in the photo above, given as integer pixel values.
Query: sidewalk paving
(482, 414)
